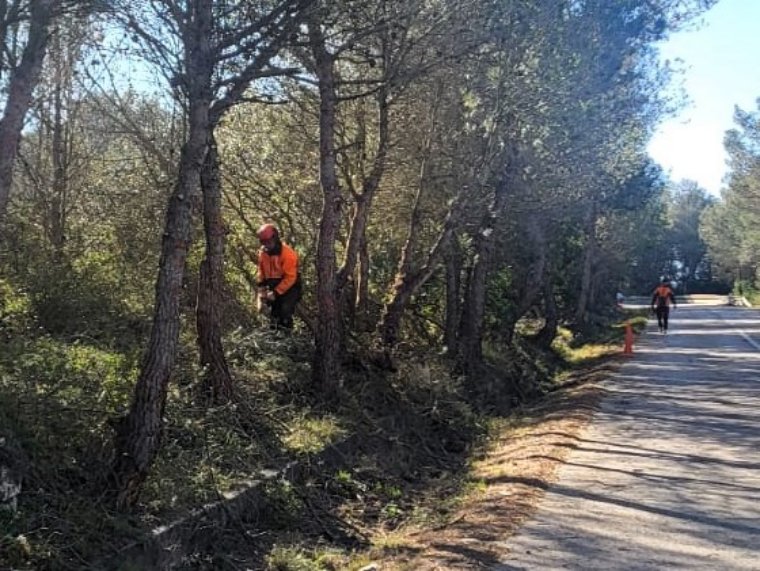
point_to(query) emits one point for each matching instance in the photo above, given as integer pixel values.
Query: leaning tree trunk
(403, 286)
(345, 290)
(408, 283)
(548, 332)
(138, 436)
(217, 380)
(23, 80)
(328, 333)
(358, 227)
(356, 245)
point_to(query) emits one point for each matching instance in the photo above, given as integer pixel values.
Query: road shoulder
(511, 477)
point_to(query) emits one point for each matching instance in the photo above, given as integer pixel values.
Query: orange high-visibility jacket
(282, 267)
(663, 296)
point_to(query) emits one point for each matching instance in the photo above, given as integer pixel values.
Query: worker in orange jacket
(279, 285)
(662, 299)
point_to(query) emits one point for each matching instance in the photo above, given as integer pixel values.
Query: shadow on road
(668, 475)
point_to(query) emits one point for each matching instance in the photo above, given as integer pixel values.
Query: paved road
(668, 474)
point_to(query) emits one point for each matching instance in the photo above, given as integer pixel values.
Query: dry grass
(507, 481)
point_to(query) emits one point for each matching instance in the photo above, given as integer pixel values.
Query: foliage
(56, 398)
(499, 305)
(604, 342)
(730, 227)
(16, 311)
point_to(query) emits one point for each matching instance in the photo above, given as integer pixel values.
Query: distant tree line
(730, 226)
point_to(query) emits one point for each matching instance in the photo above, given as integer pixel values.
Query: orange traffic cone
(628, 347)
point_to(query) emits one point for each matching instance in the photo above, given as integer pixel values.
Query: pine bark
(217, 379)
(328, 333)
(138, 435)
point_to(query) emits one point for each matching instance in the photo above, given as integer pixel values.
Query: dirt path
(667, 476)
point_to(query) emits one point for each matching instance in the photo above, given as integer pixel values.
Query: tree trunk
(138, 436)
(408, 283)
(402, 286)
(453, 296)
(357, 235)
(594, 290)
(23, 80)
(328, 334)
(58, 202)
(581, 313)
(549, 330)
(360, 218)
(470, 351)
(471, 326)
(533, 283)
(217, 379)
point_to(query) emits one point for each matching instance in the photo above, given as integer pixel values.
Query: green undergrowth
(601, 342)
(59, 402)
(753, 297)
(391, 449)
(748, 290)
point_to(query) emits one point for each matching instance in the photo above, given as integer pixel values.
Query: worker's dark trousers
(662, 317)
(284, 307)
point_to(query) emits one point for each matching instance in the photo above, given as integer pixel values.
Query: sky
(721, 62)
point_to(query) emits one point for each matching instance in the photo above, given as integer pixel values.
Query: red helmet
(267, 232)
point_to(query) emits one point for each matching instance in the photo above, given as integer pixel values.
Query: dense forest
(466, 184)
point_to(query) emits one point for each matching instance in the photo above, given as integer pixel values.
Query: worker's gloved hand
(261, 304)
(270, 295)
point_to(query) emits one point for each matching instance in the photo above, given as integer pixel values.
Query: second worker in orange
(278, 280)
